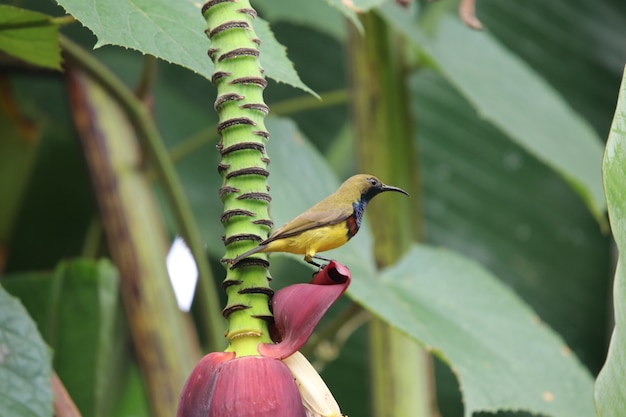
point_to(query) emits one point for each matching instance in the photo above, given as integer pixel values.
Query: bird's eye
(373, 181)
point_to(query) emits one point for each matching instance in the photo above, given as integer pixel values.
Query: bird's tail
(244, 255)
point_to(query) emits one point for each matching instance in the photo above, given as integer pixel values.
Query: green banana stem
(239, 80)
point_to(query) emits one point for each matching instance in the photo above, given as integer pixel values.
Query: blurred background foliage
(483, 194)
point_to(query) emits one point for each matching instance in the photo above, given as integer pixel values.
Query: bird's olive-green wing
(310, 219)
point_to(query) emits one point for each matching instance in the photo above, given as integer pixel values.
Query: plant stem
(147, 79)
(308, 102)
(240, 83)
(402, 381)
(136, 239)
(43, 22)
(152, 141)
(191, 144)
(63, 20)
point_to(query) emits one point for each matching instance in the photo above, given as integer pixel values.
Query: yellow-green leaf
(29, 36)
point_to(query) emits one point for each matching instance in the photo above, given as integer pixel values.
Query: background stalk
(166, 349)
(152, 141)
(401, 372)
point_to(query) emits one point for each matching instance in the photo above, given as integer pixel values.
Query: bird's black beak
(391, 188)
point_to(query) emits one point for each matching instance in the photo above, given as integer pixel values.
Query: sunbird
(328, 224)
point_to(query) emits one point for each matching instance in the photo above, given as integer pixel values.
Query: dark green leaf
(610, 395)
(29, 36)
(25, 369)
(575, 45)
(486, 197)
(508, 93)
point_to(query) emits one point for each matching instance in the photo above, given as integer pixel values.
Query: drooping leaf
(25, 368)
(172, 31)
(77, 309)
(507, 92)
(29, 36)
(469, 303)
(609, 391)
(576, 46)
(504, 357)
(487, 198)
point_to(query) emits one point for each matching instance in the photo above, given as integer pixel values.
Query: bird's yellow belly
(312, 241)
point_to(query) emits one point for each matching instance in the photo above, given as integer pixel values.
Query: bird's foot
(312, 262)
(319, 266)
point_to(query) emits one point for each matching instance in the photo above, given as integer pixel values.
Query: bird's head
(364, 187)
